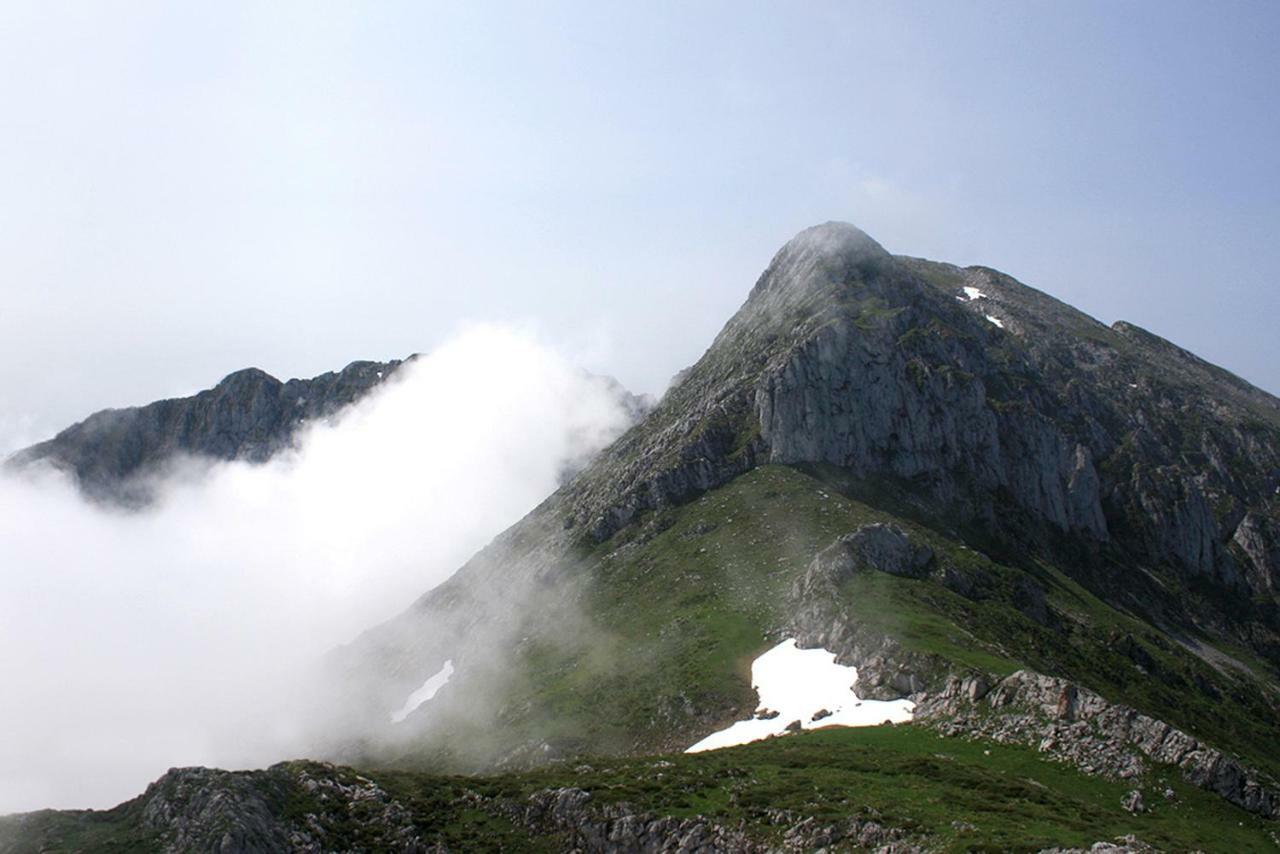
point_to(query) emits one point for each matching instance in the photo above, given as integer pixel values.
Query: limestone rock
(1076, 725)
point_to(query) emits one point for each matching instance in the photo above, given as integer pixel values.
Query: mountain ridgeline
(249, 415)
(1060, 539)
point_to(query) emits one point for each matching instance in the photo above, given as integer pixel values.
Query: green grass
(905, 776)
(954, 794)
(679, 603)
(116, 830)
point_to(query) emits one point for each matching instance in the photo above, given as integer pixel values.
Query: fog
(131, 642)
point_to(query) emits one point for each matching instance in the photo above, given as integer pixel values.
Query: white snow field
(428, 690)
(971, 294)
(799, 683)
(997, 321)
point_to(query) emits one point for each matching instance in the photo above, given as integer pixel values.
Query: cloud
(133, 642)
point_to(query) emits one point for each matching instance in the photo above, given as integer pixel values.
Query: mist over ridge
(186, 633)
(1005, 519)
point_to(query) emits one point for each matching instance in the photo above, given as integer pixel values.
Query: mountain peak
(836, 239)
(246, 377)
(819, 256)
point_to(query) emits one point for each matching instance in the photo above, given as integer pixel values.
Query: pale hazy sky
(190, 189)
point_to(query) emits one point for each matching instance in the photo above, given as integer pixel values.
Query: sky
(190, 189)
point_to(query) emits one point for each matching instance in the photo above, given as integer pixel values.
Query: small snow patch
(997, 321)
(804, 689)
(971, 294)
(428, 690)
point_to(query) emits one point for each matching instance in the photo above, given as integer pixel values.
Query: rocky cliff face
(1076, 725)
(993, 405)
(250, 415)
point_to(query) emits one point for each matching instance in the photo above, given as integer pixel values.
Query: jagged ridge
(249, 415)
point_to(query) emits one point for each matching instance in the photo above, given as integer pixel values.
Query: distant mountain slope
(249, 415)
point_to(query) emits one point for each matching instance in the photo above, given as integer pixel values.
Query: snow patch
(997, 321)
(971, 294)
(428, 690)
(799, 684)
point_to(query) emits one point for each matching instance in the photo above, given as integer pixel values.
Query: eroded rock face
(1129, 844)
(887, 548)
(1258, 539)
(875, 547)
(856, 399)
(1076, 725)
(201, 809)
(885, 670)
(246, 812)
(619, 829)
(1050, 424)
(616, 828)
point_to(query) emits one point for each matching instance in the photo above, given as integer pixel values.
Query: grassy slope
(913, 779)
(962, 795)
(682, 602)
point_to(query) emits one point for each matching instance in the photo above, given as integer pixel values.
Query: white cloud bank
(130, 643)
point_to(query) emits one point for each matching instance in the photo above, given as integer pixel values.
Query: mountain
(1059, 540)
(249, 415)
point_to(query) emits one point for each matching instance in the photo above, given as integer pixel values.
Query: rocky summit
(1059, 540)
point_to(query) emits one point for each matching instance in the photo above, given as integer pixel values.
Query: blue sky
(189, 190)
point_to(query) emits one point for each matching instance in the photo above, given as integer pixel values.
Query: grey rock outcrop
(1124, 845)
(885, 670)
(1075, 725)
(619, 829)
(1258, 539)
(257, 812)
(880, 547)
(201, 809)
